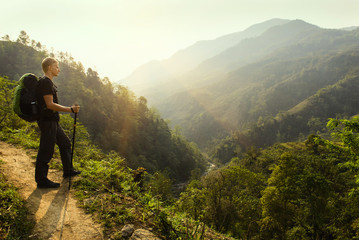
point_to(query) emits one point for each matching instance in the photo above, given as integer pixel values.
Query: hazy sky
(116, 36)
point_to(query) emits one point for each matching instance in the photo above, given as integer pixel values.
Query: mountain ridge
(188, 58)
(217, 67)
(264, 88)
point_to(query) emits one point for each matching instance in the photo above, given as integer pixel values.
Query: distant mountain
(246, 51)
(252, 49)
(338, 100)
(350, 28)
(308, 59)
(261, 84)
(158, 72)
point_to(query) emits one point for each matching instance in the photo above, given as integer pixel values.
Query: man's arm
(49, 100)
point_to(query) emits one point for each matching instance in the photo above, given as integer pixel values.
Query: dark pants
(51, 134)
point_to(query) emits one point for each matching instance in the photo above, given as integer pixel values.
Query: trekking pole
(73, 146)
(68, 193)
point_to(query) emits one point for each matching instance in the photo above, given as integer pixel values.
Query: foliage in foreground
(287, 191)
(110, 190)
(14, 222)
(118, 195)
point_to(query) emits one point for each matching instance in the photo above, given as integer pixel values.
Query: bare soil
(54, 210)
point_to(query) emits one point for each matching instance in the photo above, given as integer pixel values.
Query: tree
(23, 38)
(6, 38)
(279, 198)
(346, 135)
(160, 185)
(7, 116)
(227, 199)
(193, 200)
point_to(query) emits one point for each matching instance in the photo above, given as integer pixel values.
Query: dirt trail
(46, 205)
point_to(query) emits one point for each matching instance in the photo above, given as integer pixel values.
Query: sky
(114, 37)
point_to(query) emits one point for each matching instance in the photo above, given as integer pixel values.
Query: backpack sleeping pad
(24, 102)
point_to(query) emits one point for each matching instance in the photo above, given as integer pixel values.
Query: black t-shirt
(46, 87)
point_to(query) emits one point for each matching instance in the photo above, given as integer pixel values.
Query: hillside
(124, 203)
(116, 119)
(288, 69)
(105, 201)
(291, 190)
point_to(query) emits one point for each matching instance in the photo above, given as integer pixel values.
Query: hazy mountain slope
(309, 116)
(190, 57)
(340, 98)
(246, 51)
(279, 82)
(350, 28)
(250, 50)
(158, 72)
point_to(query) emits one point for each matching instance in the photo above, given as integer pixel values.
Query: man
(51, 132)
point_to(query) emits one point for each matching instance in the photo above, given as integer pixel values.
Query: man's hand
(76, 108)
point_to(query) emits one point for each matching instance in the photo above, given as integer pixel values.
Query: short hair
(47, 62)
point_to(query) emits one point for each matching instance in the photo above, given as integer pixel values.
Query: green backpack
(24, 102)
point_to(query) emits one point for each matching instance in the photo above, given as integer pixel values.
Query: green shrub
(14, 223)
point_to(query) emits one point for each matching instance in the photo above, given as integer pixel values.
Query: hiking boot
(71, 173)
(48, 184)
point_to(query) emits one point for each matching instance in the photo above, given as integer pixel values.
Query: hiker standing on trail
(51, 131)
